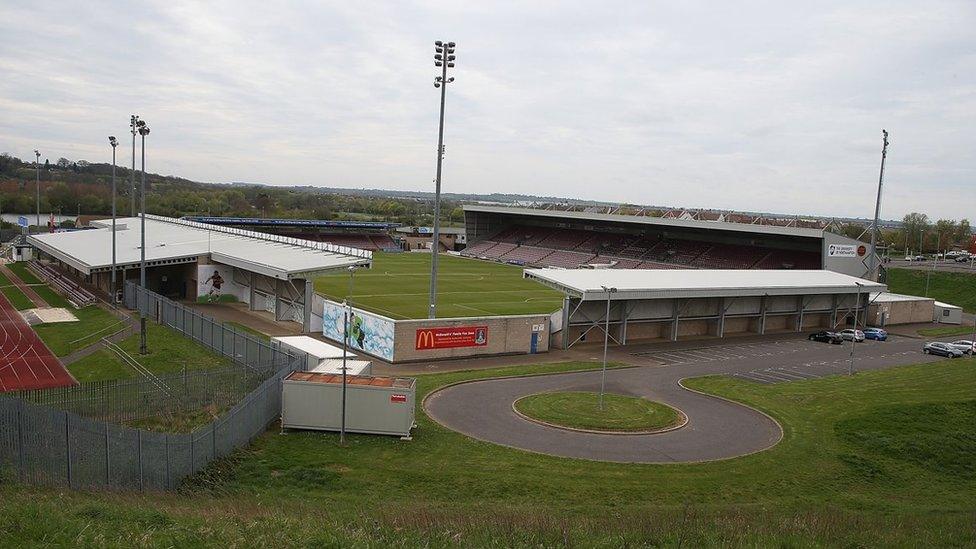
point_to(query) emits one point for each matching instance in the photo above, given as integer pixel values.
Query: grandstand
(365, 235)
(574, 239)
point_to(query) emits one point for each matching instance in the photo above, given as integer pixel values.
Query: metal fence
(61, 436)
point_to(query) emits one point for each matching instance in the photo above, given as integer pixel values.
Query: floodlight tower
(875, 274)
(444, 58)
(134, 128)
(37, 185)
(143, 132)
(114, 143)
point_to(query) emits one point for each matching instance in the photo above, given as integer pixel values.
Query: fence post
(167, 462)
(213, 439)
(20, 441)
(107, 476)
(67, 448)
(142, 485)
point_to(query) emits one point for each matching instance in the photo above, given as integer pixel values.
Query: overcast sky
(759, 106)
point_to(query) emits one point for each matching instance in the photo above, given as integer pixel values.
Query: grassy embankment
(880, 459)
(955, 288)
(169, 352)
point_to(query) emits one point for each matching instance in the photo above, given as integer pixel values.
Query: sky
(757, 106)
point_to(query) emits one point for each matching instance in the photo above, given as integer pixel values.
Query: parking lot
(796, 359)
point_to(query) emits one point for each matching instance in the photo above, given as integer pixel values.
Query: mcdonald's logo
(425, 339)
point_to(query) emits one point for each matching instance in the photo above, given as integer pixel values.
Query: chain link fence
(72, 436)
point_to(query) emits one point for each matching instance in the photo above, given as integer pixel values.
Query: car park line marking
(789, 374)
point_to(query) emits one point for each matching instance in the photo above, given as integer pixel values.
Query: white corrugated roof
(667, 283)
(888, 297)
(312, 346)
(170, 240)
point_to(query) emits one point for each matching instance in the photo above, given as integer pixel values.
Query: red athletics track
(25, 362)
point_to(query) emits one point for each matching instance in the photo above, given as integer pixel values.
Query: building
(452, 239)
(678, 304)
(572, 239)
(197, 261)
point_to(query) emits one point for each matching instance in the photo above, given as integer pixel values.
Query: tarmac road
(716, 428)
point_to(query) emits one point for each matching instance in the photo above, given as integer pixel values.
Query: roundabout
(582, 411)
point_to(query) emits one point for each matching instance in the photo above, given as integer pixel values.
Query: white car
(851, 334)
(964, 345)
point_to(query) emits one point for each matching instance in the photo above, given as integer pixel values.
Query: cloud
(740, 106)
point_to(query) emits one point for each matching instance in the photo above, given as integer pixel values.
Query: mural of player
(215, 281)
(357, 331)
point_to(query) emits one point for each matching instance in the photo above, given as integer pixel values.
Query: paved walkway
(716, 429)
(261, 321)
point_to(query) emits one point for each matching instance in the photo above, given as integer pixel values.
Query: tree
(944, 230)
(64, 163)
(963, 232)
(915, 224)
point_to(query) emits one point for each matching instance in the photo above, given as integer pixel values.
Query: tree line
(80, 187)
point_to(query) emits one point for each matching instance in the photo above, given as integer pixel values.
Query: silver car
(851, 334)
(941, 349)
(965, 346)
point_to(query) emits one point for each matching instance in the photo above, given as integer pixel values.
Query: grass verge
(14, 295)
(93, 324)
(578, 410)
(944, 331)
(169, 352)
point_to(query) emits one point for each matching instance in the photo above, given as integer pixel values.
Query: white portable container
(374, 405)
(316, 350)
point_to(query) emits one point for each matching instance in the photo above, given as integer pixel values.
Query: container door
(534, 347)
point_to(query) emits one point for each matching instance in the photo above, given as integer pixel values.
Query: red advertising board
(455, 336)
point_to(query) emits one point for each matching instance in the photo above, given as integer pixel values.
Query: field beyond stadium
(397, 286)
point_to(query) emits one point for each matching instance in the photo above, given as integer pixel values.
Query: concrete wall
(506, 335)
(901, 312)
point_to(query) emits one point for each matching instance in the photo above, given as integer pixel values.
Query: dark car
(824, 336)
(942, 349)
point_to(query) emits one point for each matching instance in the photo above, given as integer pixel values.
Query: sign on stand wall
(369, 333)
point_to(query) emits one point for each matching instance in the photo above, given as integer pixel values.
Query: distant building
(452, 239)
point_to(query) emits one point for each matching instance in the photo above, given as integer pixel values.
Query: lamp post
(143, 132)
(877, 210)
(606, 338)
(37, 185)
(444, 58)
(347, 309)
(857, 312)
(133, 127)
(114, 143)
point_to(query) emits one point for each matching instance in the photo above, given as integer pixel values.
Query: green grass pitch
(397, 286)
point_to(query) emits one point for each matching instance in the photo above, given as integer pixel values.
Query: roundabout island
(582, 411)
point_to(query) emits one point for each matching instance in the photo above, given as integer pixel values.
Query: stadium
(284, 334)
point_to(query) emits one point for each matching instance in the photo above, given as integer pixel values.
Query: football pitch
(397, 287)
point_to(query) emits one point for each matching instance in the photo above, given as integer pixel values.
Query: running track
(25, 362)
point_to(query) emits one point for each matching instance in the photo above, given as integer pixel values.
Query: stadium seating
(789, 259)
(570, 248)
(567, 259)
(528, 255)
(730, 256)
